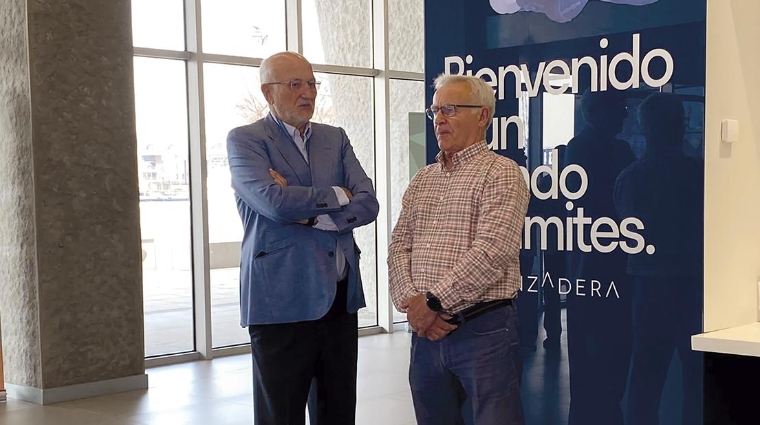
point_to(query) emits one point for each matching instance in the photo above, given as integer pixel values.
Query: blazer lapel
(289, 152)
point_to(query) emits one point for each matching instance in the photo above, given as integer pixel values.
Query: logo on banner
(556, 10)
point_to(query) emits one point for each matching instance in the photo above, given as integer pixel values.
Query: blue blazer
(287, 270)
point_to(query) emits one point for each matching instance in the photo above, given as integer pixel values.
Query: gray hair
(481, 92)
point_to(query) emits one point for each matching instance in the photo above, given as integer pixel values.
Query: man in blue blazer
(300, 192)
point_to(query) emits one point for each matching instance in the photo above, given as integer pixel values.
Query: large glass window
(406, 46)
(407, 101)
(233, 98)
(338, 32)
(253, 28)
(158, 24)
(337, 36)
(162, 155)
(346, 101)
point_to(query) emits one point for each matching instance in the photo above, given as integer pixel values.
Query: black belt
(478, 309)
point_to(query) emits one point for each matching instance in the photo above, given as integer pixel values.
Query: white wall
(732, 172)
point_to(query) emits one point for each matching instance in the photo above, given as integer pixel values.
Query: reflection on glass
(232, 98)
(162, 152)
(346, 101)
(338, 32)
(406, 35)
(560, 128)
(253, 28)
(405, 97)
(664, 188)
(158, 24)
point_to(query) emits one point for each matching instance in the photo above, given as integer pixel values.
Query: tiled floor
(218, 392)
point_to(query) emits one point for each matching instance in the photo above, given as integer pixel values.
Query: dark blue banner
(602, 104)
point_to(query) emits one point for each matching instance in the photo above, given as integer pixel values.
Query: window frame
(195, 57)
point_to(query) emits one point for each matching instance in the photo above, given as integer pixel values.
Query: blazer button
(331, 254)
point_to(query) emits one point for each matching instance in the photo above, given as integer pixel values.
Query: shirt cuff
(407, 293)
(324, 222)
(448, 296)
(342, 197)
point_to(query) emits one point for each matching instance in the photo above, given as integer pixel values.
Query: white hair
(481, 93)
(270, 65)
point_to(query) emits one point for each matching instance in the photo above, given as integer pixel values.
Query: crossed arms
(271, 196)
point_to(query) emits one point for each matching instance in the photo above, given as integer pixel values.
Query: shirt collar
(292, 131)
(465, 154)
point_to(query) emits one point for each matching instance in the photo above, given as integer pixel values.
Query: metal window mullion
(171, 359)
(198, 190)
(293, 26)
(229, 60)
(161, 53)
(382, 159)
(256, 62)
(346, 70)
(406, 75)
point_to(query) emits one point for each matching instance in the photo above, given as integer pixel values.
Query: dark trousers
(599, 355)
(666, 313)
(291, 358)
(527, 303)
(555, 265)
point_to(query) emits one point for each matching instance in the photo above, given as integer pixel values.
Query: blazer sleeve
(363, 207)
(249, 168)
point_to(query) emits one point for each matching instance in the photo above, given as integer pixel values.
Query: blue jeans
(472, 376)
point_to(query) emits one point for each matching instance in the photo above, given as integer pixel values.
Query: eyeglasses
(446, 110)
(299, 84)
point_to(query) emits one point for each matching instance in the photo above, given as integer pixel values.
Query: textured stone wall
(72, 175)
(18, 272)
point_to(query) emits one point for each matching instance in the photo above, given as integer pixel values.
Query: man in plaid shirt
(454, 266)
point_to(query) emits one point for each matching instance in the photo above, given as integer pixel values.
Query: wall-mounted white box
(729, 131)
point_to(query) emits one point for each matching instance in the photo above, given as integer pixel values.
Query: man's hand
(440, 328)
(419, 316)
(348, 193)
(278, 178)
(282, 182)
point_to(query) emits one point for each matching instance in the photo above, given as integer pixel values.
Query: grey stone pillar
(70, 263)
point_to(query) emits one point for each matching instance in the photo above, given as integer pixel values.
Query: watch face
(433, 302)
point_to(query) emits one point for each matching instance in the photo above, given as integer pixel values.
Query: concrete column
(2, 375)
(70, 269)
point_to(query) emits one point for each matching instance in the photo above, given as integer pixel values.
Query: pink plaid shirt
(459, 232)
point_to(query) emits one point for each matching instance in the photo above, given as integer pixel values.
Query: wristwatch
(433, 302)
